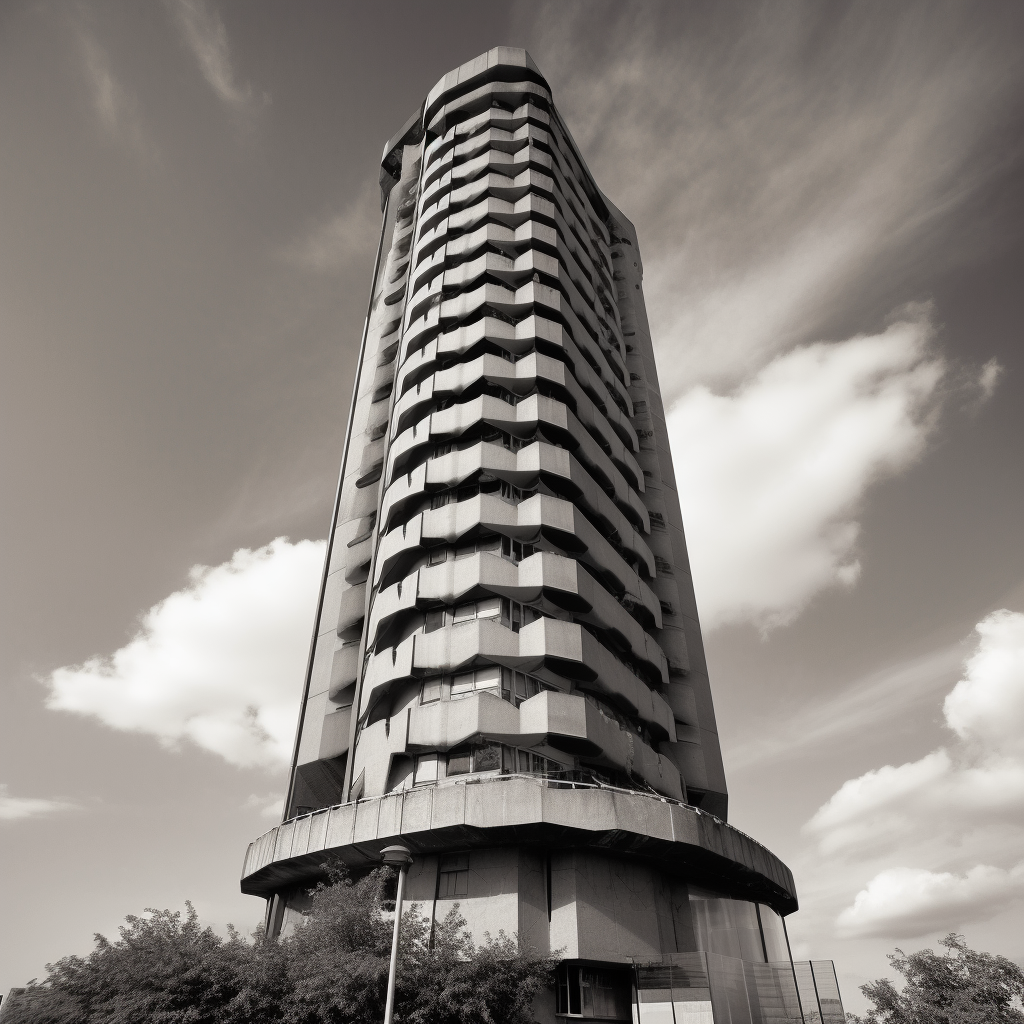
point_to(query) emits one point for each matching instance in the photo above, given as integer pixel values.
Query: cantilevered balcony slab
(543, 579)
(540, 517)
(514, 811)
(564, 649)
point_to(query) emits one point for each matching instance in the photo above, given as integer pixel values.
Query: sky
(829, 202)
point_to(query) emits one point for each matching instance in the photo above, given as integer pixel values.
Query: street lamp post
(401, 858)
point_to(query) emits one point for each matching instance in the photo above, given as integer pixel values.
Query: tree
(960, 986)
(333, 969)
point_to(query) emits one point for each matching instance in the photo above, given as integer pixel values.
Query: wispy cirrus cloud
(883, 696)
(206, 37)
(18, 808)
(791, 163)
(116, 108)
(338, 242)
(217, 664)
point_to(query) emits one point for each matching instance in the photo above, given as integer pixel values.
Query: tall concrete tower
(507, 673)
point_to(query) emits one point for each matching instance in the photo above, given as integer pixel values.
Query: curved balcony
(519, 339)
(547, 648)
(517, 811)
(565, 722)
(555, 520)
(560, 724)
(536, 297)
(523, 469)
(599, 449)
(546, 581)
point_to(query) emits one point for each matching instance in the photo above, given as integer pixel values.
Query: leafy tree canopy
(167, 969)
(959, 986)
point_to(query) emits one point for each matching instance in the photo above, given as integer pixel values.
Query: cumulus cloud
(17, 808)
(206, 37)
(771, 477)
(789, 165)
(978, 777)
(960, 801)
(218, 664)
(906, 902)
(987, 705)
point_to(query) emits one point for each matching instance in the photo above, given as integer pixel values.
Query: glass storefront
(742, 973)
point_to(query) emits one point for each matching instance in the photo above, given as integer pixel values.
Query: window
(510, 493)
(453, 876)
(515, 615)
(426, 769)
(594, 992)
(431, 690)
(433, 620)
(491, 544)
(488, 608)
(480, 679)
(526, 762)
(460, 761)
(517, 686)
(485, 757)
(437, 556)
(515, 550)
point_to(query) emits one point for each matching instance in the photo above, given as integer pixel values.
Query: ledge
(520, 811)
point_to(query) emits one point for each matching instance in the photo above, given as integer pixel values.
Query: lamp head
(396, 856)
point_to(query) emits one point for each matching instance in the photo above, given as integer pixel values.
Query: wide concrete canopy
(520, 811)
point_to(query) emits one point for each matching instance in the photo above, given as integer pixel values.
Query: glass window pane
(462, 683)
(828, 992)
(459, 762)
(728, 927)
(774, 933)
(426, 768)
(490, 608)
(487, 677)
(808, 994)
(604, 993)
(524, 760)
(487, 758)
(465, 612)
(431, 690)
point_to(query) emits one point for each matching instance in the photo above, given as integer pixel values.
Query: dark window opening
(594, 992)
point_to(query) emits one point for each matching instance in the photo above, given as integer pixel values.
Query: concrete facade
(507, 673)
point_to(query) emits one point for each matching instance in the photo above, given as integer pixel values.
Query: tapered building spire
(507, 672)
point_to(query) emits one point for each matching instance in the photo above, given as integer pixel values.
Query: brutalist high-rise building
(507, 673)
